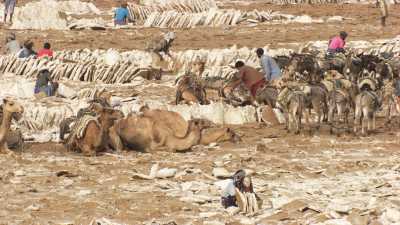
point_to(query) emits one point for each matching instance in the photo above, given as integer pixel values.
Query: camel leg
(115, 140)
(87, 150)
(6, 150)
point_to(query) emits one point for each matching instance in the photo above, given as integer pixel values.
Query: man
(384, 11)
(336, 44)
(46, 51)
(12, 45)
(9, 9)
(27, 50)
(45, 84)
(121, 15)
(250, 77)
(163, 44)
(270, 67)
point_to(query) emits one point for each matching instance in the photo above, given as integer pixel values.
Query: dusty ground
(103, 186)
(31, 192)
(363, 24)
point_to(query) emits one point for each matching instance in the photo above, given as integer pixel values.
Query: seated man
(45, 84)
(239, 192)
(27, 50)
(336, 44)
(250, 77)
(46, 51)
(270, 68)
(121, 15)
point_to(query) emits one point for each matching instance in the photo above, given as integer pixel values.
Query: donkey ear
(5, 100)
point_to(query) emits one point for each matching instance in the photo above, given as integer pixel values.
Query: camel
(91, 134)
(161, 129)
(14, 138)
(10, 107)
(148, 134)
(190, 90)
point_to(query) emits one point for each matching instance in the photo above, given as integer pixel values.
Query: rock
(32, 208)
(219, 163)
(391, 215)
(334, 19)
(166, 173)
(221, 173)
(356, 219)
(267, 115)
(340, 206)
(296, 205)
(66, 91)
(19, 173)
(82, 193)
(112, 57)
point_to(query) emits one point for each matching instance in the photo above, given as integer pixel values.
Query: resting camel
(10, 107)
(147, 134)
(162, 129)
(91, 134)
(190, 90)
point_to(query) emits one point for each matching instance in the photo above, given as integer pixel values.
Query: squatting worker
(9, 9)
(250, 77)
(270, 67)
(336, 44)
(44, 83)
(121, 15)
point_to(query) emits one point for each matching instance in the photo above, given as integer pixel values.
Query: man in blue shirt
(270, 67)
(121, 15)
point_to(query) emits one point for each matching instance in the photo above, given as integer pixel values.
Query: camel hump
(172, 120)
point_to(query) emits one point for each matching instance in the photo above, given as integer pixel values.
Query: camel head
(230, 135)
(106, 115)
(12, 106)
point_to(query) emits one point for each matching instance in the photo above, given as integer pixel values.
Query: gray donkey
(368, 103)
(292, 102)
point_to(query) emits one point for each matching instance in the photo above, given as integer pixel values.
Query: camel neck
(6, 123)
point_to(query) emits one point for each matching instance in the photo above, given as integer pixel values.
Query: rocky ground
(305, 179)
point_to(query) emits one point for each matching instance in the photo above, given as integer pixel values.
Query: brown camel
(145, 133)
(10, 107)
(190, 90)
(91, 134)
(217, 135)
(162, 129)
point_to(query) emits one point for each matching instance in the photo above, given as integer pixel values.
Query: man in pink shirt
(337, 43)
(46, 51)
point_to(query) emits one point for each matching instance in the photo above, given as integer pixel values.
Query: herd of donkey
(355, 86)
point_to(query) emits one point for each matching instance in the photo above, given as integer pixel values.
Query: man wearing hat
(44, 83)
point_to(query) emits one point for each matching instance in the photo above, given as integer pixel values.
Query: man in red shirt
(46, 51)
(250, 77)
